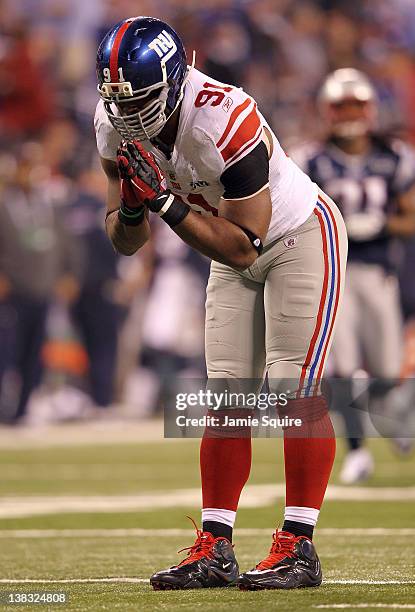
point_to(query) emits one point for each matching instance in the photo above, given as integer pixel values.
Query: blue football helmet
(140, 58)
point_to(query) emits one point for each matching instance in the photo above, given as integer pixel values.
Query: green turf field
(100, 518)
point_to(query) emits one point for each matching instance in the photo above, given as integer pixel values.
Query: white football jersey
(219, 125)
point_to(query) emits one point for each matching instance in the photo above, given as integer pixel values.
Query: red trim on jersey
(245, 132)
(114, 51)
(235, 114)
(252, 142)
(199, 200)
(178, 197)
(321, 305)
(337, 288)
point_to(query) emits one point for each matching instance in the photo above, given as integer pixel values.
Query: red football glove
(140, 171)
(129, 196)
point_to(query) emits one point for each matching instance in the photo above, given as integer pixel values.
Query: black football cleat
(292, 563)
(210, 563)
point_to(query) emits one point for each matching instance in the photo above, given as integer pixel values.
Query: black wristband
(130, 216)
(169, 208)
(254, 240)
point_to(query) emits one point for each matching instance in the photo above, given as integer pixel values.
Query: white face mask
(149, 121)
(140, 125)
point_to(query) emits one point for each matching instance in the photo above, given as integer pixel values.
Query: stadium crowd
(73, 314)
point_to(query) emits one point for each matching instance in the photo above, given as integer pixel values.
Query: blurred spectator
(94, 311)
(36, 259)
(227, 51)
(172, 325)
(26, 95)
(135, 275)
(278, 50)
(406, 281)
(342, 40)
(48, 63)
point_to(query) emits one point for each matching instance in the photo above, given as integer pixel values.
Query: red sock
(309, 453)
(225, 463)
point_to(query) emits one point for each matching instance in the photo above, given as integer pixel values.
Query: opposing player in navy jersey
(199, 154)
(372, 179)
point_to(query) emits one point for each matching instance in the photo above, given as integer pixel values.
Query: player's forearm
(218, 239)
(126, 239)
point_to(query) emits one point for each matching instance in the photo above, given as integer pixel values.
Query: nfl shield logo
(290, 242)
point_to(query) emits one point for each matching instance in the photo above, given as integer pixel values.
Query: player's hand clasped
(131, 211)
(142, 178)
(139, 167)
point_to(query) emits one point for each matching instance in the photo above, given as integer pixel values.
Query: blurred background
(90, 490)
(81, 330)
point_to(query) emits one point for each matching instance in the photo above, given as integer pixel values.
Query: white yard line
(71, 580)
(168, 533)
(124, 470)
(364, 605)
(96, 433)
(253, 496)
(369, 581)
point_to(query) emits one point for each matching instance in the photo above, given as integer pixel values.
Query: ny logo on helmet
(164, 46)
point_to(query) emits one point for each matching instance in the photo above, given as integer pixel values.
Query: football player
(199, 154)
(371, 178)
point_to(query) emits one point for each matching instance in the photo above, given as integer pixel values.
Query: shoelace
(282, 547)
(201, 547)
